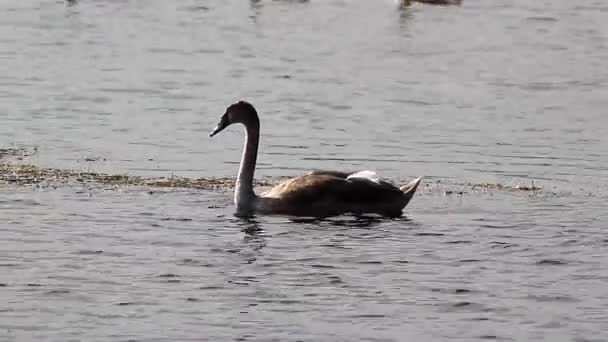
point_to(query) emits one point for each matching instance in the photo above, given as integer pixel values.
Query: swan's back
(327, 195)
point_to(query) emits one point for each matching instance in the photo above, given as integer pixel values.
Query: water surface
(481, 93)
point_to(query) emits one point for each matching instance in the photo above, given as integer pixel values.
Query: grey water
(499, 92)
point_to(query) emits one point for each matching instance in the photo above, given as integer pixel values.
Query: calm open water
(492, 91)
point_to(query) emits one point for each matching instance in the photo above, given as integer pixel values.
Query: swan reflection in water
(252, 227)
(363, 221)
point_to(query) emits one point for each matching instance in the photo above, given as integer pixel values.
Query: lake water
(505, 92)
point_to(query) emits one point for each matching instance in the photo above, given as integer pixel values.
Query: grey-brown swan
(316, 194)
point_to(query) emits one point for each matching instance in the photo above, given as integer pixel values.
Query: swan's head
(240, 112)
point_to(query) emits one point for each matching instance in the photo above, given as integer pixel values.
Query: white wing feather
(365, 174)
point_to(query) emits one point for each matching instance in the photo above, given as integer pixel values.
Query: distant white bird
(406, 3)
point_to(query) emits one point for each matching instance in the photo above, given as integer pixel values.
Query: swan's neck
(244, 196)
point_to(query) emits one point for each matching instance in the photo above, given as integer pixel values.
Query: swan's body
(316, 194)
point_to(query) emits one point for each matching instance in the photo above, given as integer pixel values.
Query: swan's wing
(368, 175)
(365, 174)
(313, 188)
(339, 174)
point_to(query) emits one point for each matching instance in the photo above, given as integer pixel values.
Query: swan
(319, 193)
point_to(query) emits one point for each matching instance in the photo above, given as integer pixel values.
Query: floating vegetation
(17, 152)
(452, 192)
(17, 173)
(500, 187)
(14, 171)
(25, 174)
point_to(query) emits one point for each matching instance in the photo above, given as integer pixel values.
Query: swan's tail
(409, 189)
(411, 186)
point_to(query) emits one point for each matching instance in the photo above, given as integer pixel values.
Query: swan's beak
(216, 130)
(220, 126)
